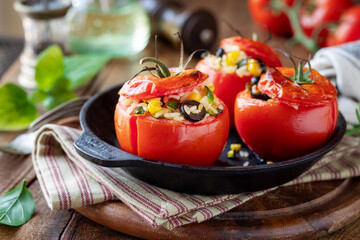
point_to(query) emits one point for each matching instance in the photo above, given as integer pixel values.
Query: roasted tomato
(238, 61)
(280, 119)
(174, 119)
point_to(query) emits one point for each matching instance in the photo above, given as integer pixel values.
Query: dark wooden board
(305, 211)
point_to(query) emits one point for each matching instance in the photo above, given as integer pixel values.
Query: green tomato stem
(293, 15)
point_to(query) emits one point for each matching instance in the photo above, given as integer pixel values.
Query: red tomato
(228, 85)
(315, 13)
(184, 142)
(348, 29)
(297, 122)
(277, 22)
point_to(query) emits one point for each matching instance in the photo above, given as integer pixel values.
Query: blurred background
(122, 28)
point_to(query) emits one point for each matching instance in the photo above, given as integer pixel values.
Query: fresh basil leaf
(16, 206)
(80, 69)
(16, 110)
(57, 98)
(49, 68)
(38, 96)
(61, 85)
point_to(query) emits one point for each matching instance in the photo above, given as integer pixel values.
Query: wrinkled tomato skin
(227, 86)
(190, 143)
(278, 131)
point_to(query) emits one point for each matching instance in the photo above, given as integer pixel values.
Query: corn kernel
(231, 154)
(254, 67)
(194, 96)
(235, 147)
(211, 87)
(154, 106)
(270, 162)
(232, 58)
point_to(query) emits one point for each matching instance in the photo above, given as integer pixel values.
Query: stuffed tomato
(174, 119)
(283, 117)
(238, 61)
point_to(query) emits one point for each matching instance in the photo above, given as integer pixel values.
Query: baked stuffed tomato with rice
(237, 62)
(288, 113)
(172, 117)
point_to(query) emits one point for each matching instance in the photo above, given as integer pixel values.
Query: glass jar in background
(44, 25)
(117, 28)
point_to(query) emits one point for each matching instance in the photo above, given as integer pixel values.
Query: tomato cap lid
(277, 86)
(149, 86)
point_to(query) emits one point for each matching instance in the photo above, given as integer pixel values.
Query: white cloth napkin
(341, 65)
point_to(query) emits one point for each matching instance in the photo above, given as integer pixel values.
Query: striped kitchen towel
(69, 181)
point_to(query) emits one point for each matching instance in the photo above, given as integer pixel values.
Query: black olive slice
(261, 96)
(255, 80)
(262, 65)
(192, 116)
(220, 52)
(242, 63)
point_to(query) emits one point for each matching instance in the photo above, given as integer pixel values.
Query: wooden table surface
(47, 224)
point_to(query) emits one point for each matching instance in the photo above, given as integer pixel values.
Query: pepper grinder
(197, 27)
(44, 24)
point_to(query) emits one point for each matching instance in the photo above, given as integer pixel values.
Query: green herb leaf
(16, 206)
(352, 131)
(38, 96)
(16, 110)
(356, 126)
(81, 69)
(209, 95)
(49, 68)
(56, 98)
(357, 114)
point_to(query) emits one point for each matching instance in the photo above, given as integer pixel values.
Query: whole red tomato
(228, 85)
(295, 121)
(167, 140)
(348, 29)
(263, 14)
(316, 13)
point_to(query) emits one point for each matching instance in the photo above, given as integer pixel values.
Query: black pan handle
(97, 151)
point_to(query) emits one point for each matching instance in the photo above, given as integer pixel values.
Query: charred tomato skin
(288, 126)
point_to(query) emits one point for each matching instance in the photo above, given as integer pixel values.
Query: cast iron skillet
(99, 145)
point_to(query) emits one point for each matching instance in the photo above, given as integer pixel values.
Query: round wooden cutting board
(304, 211)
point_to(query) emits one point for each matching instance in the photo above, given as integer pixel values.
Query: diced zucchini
(173, 103)
(139, 111)
(209, 95)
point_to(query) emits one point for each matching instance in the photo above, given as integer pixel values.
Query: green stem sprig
(300, 77)
(356, 126)
(162, 70)
(292, 12)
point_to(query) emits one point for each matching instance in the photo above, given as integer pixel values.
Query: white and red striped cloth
(69, 181)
